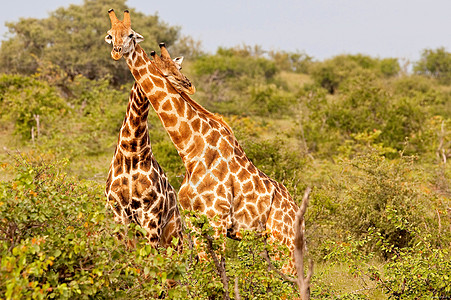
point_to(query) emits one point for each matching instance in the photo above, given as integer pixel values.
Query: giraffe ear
(109, 39)
(138, 38)
(178, 61)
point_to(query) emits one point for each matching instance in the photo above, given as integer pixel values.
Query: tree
(436, 64)
(70, 42)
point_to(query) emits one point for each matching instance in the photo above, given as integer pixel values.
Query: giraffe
(220, 179)
(137, 189)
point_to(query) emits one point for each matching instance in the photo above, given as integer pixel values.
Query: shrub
(435, 63)
(56, 242)
(32, 105)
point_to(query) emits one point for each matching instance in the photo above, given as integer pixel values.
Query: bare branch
(237, 289)
(220, 266)
(271, 266)
(299, 249)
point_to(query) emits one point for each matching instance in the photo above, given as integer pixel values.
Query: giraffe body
(220, 179)
(137, 188)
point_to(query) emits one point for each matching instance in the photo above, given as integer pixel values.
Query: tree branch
(299, 249)
(220, 266)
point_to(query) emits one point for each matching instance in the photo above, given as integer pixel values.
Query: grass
(337, 282)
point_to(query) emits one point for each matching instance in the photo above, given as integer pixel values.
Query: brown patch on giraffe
(124, 196)
(135, 162)
(278, 215)
(205, 127)
(185, 130)
(225, 148)
(262, 204)
(287, 219)
(210, 156)
(147, 85)
(220, 171)
(284, 205)
(139, 62)
(244, 216)
(198, 205)
(108, 181)
(198, 173)
(141, 129)
(129, 146)
(167, 106)
(252, 210)
(141, 183)
(258, 184)
(196, 147)
(185, 203)
(195, 124)
(136, 74)
(238, 202)
(127, 165)
(135, 204)
(116, 184)
(222, 206)
(220, 191)
(267, 184)
(169, 120)
(156, 98)
(125, 132)
(210, 213)
(212, 138)
(208, 199)
(243, 175)
(242, 161)
(238, 151)
(234, 166)
(248, 187)
(179, 105)
(145, 165)
(207, 184)
(158, 82)
(252, 169)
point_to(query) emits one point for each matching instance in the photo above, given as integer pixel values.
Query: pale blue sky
(321, 28)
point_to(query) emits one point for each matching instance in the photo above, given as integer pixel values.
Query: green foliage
(377, 219)
(32, 105)
(270, 100)
(435, 63)
(57, 242)
(243, 263)
(71, 40)
(331, 73)
(233, 80)
(294, 62)
(415, 272)
(370, 187)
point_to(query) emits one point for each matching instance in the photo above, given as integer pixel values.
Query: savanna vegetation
(371, 137)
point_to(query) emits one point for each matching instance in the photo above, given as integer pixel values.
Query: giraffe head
(171, 70)
(121, 35)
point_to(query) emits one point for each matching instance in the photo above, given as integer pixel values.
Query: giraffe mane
(196, 105)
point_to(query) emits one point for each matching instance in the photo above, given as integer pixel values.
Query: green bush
(420, 271)
(57, 242)
(367, 191)
(436, 64)
(330, 73)
(69, 42)
(31, 105)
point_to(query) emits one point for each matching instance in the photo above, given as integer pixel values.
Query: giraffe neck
(185, 121)
(134, 136)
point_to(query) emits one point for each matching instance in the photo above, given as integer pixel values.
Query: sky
(319, 28)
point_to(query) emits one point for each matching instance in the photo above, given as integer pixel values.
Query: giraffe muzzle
(116, 53)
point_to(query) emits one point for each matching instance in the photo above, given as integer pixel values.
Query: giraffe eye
(130, 35)
(109, 37)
